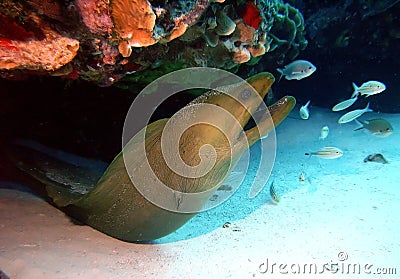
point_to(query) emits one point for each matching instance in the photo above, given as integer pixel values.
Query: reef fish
(116, 206)
(378, 127)
(304, 112)
(345, 104)
(273, 193)
(298, 69)
(327, 152)
(368, 88)
(351, 115)
(377, 158)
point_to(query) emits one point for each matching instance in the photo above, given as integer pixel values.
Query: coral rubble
(104, 41)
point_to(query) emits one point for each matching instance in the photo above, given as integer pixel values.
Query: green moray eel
(116, 207)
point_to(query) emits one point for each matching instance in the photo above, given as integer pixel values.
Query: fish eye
(309, 67)
(245, 94)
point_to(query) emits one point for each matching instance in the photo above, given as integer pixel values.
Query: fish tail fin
(361, 126)
(281, 72)
(355, 92)
(367, 108)
(306, 105)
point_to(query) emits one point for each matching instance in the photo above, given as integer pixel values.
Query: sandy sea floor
(344, 215)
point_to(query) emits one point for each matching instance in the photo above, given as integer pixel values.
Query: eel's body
(116, 207)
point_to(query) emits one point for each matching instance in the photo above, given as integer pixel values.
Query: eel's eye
(245, 94)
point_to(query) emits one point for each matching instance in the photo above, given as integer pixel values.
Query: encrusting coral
(134, 22)
(96, 15)
(24, 51)
(104, 41)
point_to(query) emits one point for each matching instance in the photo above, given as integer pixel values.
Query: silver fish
(304, 113)
(351, 115)
(378, 127)
(345, 104)
(327, 152)
(368, 88)
(298, 69)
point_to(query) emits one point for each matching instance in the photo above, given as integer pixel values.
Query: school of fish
(367, 89)
(379, 127)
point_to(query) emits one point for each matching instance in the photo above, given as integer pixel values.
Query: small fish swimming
(377, 158)
(378, 127)
(297, 69)
(302, 177)
(351, 115)
(368, 88)
(272, 192)
(304, 113)
(345, 104)
(327, 152)
(324, 132)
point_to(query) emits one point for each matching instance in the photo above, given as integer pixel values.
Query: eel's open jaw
(266, 118)
(248, 98)
(267, 121)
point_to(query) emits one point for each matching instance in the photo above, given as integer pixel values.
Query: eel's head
(239, 100)
(222, 114)
(211, 129)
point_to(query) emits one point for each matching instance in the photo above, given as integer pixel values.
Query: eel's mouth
(267, 118)
(281, 109)
(277, 111)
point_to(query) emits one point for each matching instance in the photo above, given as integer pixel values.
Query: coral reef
(23, 50)
(104, 41)
(233, 34)
(96, 15)
(288, 31)
(258, 29)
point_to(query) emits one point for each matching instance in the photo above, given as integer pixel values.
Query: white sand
(345, 205)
